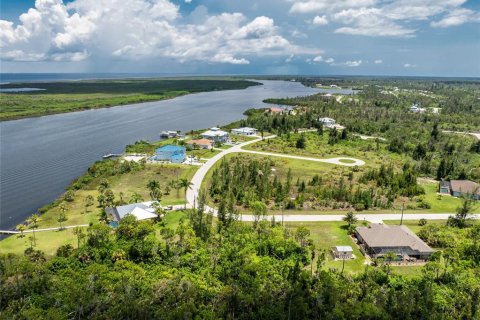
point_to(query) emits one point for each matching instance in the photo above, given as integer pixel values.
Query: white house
(416, 109)
(327, 121)
(245, 131)
(215, 134)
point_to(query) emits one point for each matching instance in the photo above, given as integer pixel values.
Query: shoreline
(105, 102)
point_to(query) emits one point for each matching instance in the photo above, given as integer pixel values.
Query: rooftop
(216, 132)
(343, 249)
(465, 186)
(382, 235)
(141, 211)
(200, 141)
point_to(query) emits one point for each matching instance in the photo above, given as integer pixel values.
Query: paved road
(40, 230)
(475, 134)
(197, 179)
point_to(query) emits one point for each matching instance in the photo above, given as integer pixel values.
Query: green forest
(202, 269)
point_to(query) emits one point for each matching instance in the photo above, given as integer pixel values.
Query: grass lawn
(329, 234)
(413, 224)
(203, 153)
(163, 173)
(326, 235)
(317, 147)
(135, 181)
(47, 241)
(442, 203)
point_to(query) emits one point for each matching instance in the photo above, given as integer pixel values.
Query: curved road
(197, 180)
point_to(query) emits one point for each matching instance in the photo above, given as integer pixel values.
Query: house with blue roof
(171, 153)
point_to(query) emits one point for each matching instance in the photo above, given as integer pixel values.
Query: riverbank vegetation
(106, 183)
(68, 96)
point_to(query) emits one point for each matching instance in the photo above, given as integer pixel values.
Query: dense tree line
(237, 272)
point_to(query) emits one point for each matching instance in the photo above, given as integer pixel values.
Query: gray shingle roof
(465, 186)
(381, 235)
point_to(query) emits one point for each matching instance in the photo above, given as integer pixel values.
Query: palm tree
(89, 200)
(350, 218)
(176, 185)
(184, 183)
(136, 197)
(62, 215)
(78, 231)
(33, 224)
(21, 227)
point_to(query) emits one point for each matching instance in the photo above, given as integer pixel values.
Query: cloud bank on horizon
(289, 36)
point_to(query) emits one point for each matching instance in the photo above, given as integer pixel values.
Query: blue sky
(317, 37)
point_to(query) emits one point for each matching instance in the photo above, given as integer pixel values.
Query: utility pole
(401, 220)
(281, 209)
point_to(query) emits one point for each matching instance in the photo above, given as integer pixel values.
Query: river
(39, 157)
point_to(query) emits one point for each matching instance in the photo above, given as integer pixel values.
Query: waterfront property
(342, 252)
(459, 188)
(200, 144)
(141, 211)
(216, 135)
(378, 240)
(245, 131)
(275, 110)
(170, 153)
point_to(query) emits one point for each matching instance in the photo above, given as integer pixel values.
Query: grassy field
(47, 241)
(326, 235)
(413, 224)
(317, 147)
(68, 96)
(127, 184)
(442, 203)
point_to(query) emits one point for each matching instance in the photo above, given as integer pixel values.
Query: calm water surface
(40, 156)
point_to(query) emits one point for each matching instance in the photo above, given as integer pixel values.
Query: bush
(422, 222)
(359, 206)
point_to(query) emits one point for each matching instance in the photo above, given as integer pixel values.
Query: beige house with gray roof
(379, 239)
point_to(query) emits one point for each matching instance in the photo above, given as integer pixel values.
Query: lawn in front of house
(46, 241)
(122, 185)
(326, 235)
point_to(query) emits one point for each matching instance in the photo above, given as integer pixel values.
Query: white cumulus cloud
(457, 17)
(380, 18)
(353, 63)
(378, 61)
(137, 29)
(320, 20)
